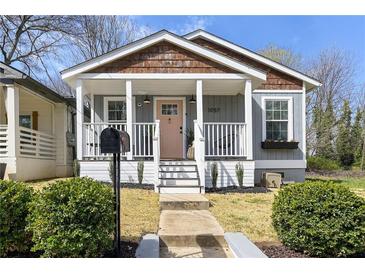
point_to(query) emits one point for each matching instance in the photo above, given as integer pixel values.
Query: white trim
(129, 113)
(153, 39)
(248, 120)
(279, 164)
(79, 119)
(105, 106)
(164, 76)
(304, 126)
(290, 114)
(278, 91)
(156, 98)
(253, 55)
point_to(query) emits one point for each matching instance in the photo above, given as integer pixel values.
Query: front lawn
(250, 213)
(140, 210)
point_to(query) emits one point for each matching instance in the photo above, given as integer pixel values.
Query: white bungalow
(34, 124)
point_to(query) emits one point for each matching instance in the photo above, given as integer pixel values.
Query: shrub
(140, 168)
(239, 173)
(15, 198)
(347, 160)
(73, 218)
(320, 219)
(315, 163)
(214, 174)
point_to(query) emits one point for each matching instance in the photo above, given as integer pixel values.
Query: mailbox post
(113, 141)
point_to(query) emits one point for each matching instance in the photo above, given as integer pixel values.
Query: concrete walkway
(188, 229)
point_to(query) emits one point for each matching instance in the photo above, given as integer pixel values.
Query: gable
(163, 57)
(275, 79)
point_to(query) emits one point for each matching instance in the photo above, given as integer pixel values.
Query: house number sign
(214, 109)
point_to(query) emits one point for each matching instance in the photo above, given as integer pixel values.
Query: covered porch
(163, 116)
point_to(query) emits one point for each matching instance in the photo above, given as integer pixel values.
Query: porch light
(192, 100)
(146, 100)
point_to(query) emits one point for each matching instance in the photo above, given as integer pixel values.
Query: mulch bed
(236, 189)
(128, 250)
(279, 251)
(137, 186)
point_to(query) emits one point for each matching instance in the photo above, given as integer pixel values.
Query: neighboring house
(164, 85)
(34, 122)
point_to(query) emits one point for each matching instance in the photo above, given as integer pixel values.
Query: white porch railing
(36, 144)
(91, 137)
(141, 143)
(225, 139)
(3, 140)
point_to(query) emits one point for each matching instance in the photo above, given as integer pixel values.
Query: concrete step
(179, 182)
(179, 189)
(183, 202)
(179, 174)
(178, 168)
(190, 228)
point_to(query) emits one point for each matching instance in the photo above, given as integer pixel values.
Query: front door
(170, 114)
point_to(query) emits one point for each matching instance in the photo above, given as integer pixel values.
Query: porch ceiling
(164, 87)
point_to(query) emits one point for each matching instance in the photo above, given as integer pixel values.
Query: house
(164, 89)
(34, 124)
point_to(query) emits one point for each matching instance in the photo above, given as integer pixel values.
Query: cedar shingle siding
(163, 57)
(275, 79)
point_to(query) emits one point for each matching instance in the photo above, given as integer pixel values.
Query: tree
(283, 56)
(344, 145)
(324, 120)
(97, 35)
(357, 134)
(27, 38)
(333, 68)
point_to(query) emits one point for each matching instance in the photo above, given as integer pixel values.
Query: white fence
(3, 140)
(141, 143)
(36, 144)
(225, 139)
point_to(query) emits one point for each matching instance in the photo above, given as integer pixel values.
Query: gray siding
(289, 154)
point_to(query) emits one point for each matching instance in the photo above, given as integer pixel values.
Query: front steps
(187, 229)
(179, 177)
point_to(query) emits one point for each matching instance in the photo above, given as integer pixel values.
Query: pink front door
(170, 114)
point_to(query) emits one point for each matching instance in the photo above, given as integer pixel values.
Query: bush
(320, 219)
(73, 218)
(15, 198)
(214, 174)
(140, 169)
(239, 173)
(321, 164)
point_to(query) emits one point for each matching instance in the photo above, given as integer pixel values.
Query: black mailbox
(125, 141)
(110, 140)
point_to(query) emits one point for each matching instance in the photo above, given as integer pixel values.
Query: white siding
(227, 173)
(99, 170)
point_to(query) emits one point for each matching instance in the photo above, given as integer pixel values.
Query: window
(25, 121)
(115, 109)
(169, 109)
(277, 122)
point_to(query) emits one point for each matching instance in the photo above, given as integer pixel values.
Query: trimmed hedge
(73, 218)
(315, 163)
(320, 219)
(15, 198)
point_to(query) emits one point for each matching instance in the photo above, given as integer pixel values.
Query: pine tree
(344, 146)
(357, 135)
(324, 121)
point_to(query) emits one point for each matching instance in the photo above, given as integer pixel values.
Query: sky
(306, 35)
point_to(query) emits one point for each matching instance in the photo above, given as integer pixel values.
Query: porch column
(12, 107)
(129, 104)
(199, 134)
(79, 118)
(248, 119)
